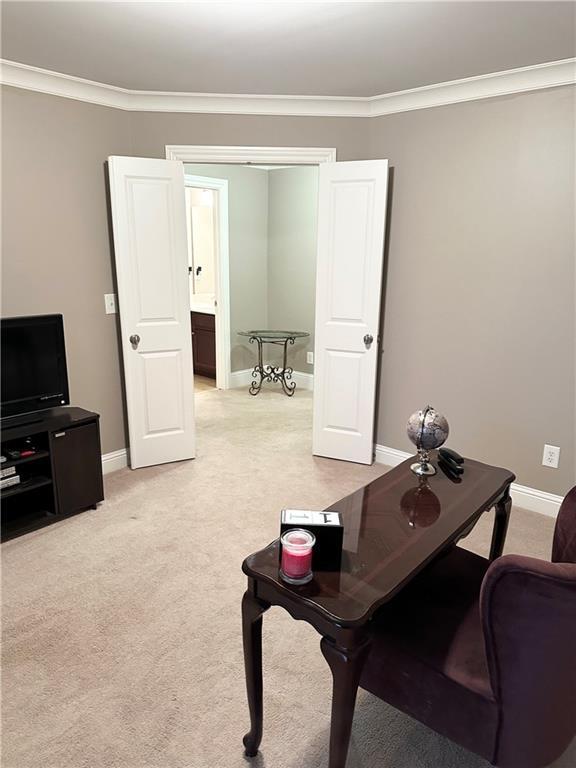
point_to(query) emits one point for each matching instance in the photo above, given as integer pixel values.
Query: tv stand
(62, 473)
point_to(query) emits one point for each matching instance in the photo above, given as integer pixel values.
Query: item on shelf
(449, 472)
(328, 529)
(7, 482)
(3, 459)
(448, 453)
(297, 546)
(458, 469)
(427, 429)
(7, 471)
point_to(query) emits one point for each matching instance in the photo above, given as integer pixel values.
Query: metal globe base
(423, 468)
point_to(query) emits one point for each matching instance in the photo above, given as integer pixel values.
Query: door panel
(351, 222)
(151, 254)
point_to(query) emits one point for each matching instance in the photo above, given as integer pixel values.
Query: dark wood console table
(394, 527)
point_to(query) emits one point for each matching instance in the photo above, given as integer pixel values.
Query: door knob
(368, 339)
(134, 339)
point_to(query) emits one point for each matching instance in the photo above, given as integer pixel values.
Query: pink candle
(297, 547)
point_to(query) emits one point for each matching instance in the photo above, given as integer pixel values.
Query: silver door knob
(368, 339)
(134, 339)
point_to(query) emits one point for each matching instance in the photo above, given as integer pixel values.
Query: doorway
(272, 247)
(148, 213)
(207, 227)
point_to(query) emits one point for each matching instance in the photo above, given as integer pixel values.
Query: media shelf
(62, 476)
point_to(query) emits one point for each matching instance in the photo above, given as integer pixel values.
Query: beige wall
(248, 239)
(153, 130)
(479, 300)
(479, 311)
(56, 253)
(292, 220)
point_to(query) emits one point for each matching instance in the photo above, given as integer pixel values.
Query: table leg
(252, 610)
(258, 372)
(286, 373)
(502, 516)
(346, 666)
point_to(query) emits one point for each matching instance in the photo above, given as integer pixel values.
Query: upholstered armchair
(485, 653)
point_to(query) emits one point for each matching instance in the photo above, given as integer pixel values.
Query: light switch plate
(110, 303)
(310, 358)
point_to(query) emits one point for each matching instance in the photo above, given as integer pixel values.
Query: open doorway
(208, 279)
(149, 221)
(271, 253)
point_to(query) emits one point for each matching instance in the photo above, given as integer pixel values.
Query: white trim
(222, 292)
(522, 496)
(533, 78)
(111, 462)
(241, 378)
(304, 381)
(548, 75)
(189, 153)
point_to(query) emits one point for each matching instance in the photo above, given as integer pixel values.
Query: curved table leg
(285, 375)
(258, 372)
(252, 610)
(346, 666)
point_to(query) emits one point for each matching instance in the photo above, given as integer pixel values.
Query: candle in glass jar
(297, 545)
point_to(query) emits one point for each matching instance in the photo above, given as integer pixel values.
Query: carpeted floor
(122, 639)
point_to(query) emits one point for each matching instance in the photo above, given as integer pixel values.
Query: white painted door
(149, 222)
(351, 224)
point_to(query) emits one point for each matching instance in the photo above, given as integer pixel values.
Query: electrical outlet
(110, 303)
(551, 456)
(310, 358)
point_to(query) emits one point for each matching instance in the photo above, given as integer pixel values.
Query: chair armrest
(528, 610)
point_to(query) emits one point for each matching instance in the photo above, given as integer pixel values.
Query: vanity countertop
(205, 309)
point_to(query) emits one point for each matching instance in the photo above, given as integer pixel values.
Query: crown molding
(550, 75)
(512, 81)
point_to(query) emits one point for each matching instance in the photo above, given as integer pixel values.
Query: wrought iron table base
(262, 373)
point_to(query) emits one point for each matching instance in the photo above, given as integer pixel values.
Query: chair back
(564, 545)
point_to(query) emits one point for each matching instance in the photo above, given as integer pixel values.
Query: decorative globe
(427, 429)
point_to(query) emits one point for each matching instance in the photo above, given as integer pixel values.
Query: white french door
(149, 222)
(351, 225)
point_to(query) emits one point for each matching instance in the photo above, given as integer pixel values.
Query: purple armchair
(485, 653)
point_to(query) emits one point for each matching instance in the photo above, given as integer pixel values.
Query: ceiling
(296, 48)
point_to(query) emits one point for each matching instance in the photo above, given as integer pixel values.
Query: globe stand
(423, 466)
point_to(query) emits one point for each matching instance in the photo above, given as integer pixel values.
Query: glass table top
(275, 335)
(392, 527)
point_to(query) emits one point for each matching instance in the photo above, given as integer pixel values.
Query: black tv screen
(34, 374)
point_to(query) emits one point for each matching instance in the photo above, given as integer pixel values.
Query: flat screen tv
(34, 374)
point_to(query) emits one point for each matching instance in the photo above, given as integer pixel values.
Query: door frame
(194, 153)
(222, 271)
(242, 155)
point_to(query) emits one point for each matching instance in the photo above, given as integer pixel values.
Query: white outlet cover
(551, 456)
(110, 303)
(310, 358)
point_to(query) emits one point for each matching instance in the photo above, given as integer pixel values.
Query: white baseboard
(111, 462)
(522, 496)
(244, 378)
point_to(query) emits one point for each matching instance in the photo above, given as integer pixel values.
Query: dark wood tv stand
(61, 477)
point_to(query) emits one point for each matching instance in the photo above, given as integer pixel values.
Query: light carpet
(122, 635)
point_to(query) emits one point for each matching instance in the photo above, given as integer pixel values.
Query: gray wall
(481, 232)
(248, 236)
(479, 312)
(56, 252)
(292, 233)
